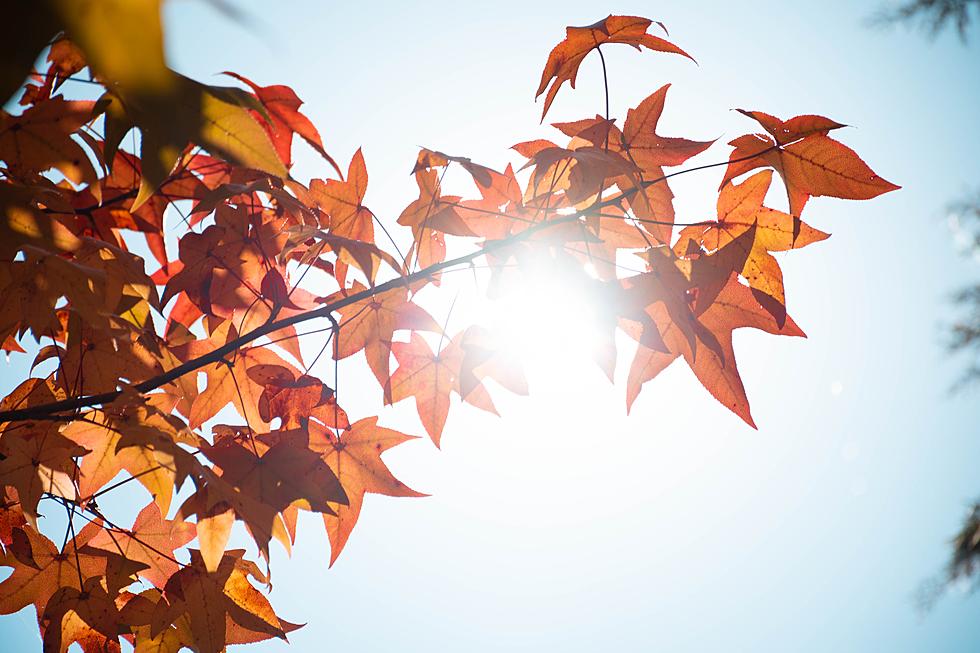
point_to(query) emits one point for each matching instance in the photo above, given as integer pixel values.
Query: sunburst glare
(544, 314)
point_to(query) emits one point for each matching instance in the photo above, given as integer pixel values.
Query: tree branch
(326, 311)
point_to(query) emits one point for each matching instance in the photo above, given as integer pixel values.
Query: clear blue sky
(567, 526)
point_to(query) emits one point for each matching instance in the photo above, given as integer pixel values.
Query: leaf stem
(605, 84)
(445, 326)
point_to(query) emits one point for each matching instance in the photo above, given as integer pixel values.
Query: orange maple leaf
(566, 57)
(342, 201)
(210, 600)
(40, 138)
(355, 457)
(40, 569)
(733, 308)
(810, 162)
(151, 541)
(740, 208)
(428, 376)
(282, 105)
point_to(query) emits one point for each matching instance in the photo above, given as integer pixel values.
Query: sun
(545, 317)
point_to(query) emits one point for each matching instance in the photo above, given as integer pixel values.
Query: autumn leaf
(432, 212)
(228, 380)
(123, 41)
(217, 504)
(89, 616)
(41, 138)
(735, 307)
(35, 459)
(355, 458)
(208, 599)
(652, 199)
(11, 519)
(566, 57)
(282, 106)
(295, 400)
(104, 30)
(367, 257)
(670, 285)
(580, 174)
(22, 222)
(370, 325)
(257, 482)
(48, 569)
(810, 162)
(740, 208)
(647, 149)
(222, 269)
(214, 117)
(342, 201)
(785, 132)
(427, 159)
(115, 211)
(101, 435)
(66, 59)
(95, 359)
(288, 471)
(151, 541)
(427, 376)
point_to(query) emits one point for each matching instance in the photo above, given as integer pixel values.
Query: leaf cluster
(127, 317)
